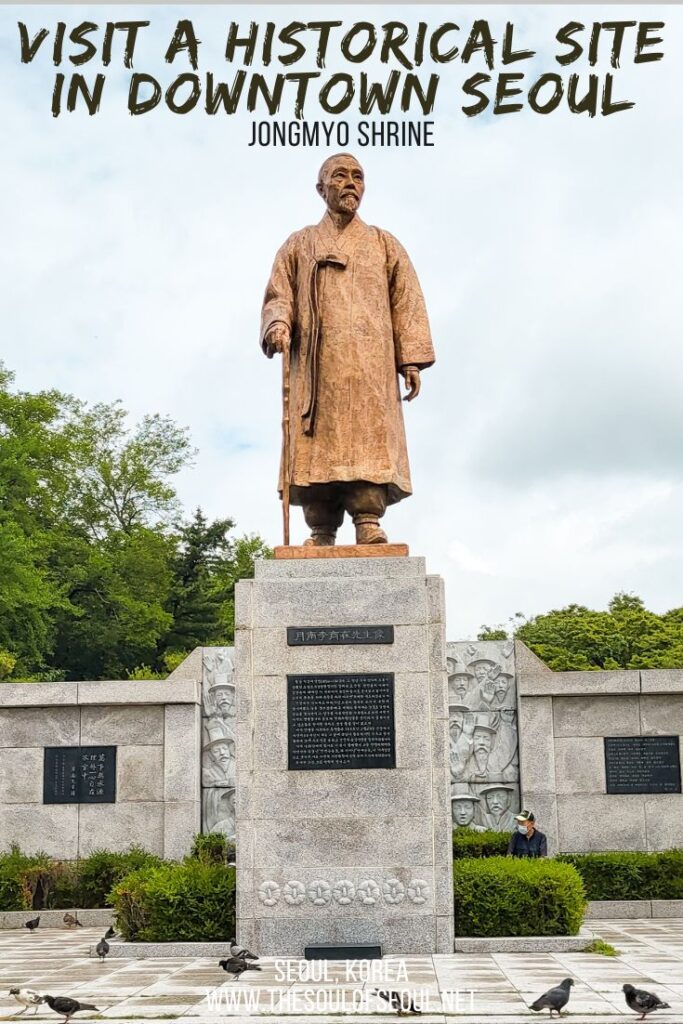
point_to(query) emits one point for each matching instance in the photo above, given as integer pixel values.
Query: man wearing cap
(526, 841)
(462, 805)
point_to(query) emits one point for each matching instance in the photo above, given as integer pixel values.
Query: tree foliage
(100, 574)
(627, 635)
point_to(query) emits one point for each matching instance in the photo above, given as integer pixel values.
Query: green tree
(627, 635)
(35, 465)
(194, 601)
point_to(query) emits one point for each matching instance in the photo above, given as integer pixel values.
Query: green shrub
(51, 883)
(496, 896)
(98, 873)
(188, 902)
(630, 875)
(468, 843)
(14, 892)
(212, 848)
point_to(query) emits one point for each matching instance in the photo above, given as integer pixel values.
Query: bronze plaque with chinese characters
(327, 636)
(341, 721)
(79, 775)
(642, 764)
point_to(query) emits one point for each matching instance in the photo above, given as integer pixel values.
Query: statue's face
(463, 812)
(482, 740)
(225, 701)
(223, 753)
(343, 185)
(457, 722)
(501, 687)
(498, 800)
(460, 685)
(481, 672)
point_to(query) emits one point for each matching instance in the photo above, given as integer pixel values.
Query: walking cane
(285, 441)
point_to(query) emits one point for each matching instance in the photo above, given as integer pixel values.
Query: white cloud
(545, 446)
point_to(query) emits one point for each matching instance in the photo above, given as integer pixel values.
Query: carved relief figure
(498, 814)
(482, 744)
(459, 682)
(218, 744)
(460, 726)
(463, 803)
(344, 302)
(483, 729)
(218, 811)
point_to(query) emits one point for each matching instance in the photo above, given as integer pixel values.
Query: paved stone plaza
(503, 984)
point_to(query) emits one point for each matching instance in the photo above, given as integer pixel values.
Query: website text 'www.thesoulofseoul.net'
(323, 987)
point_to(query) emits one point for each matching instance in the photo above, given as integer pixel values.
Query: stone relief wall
(484, 755)
(218, 741)
(484, 751)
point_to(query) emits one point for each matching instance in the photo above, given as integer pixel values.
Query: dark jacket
(523, 846)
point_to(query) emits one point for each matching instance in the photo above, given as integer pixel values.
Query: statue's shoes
(370, 533)
(320, 540)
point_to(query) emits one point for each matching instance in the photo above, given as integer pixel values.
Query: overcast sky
(546, 445)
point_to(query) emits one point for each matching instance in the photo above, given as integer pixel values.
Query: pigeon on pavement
(32, 924)
(555, 998)
(241, 954)
(70, 921)
(102, 948)
(67, 1006)
(236, 966)
(397, 1001)
(27, 997)
(643, 1002)
(110, 932)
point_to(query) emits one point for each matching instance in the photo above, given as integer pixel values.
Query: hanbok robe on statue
(356, 313)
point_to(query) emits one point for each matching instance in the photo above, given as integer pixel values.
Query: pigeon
(67, 1006)
(241, 954)
(70, 921)
(643, 1002)
(27, 997)
(33, 923)
(397, 1001)
(237, 967)
(102, 948)
(110, 932)
(554, 998)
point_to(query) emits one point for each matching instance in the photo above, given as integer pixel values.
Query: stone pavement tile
(126, 1012)
(581, 1001)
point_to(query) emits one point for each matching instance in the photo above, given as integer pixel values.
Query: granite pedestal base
(343, 855)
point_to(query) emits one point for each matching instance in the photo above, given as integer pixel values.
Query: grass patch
(601, 948)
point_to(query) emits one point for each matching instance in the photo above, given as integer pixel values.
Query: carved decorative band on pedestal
(321, 892)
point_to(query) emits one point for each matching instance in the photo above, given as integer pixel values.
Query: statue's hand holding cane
(276, 339)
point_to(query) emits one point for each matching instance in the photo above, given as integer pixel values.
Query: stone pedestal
(344, 855)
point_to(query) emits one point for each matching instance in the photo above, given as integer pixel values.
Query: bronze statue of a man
(344, 298)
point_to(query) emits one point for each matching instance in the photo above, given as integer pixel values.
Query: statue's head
(341, 183)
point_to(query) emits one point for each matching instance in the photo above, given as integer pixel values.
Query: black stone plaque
(329, 636)
(79, 775)
(341, 721)
(642, 764)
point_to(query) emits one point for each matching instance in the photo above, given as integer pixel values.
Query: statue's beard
(349, 204)
(481, 758)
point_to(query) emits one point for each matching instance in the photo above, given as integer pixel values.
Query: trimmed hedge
(468, 843)
(188, 902)
(100, 872)
(630, 875)
(499, 896)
